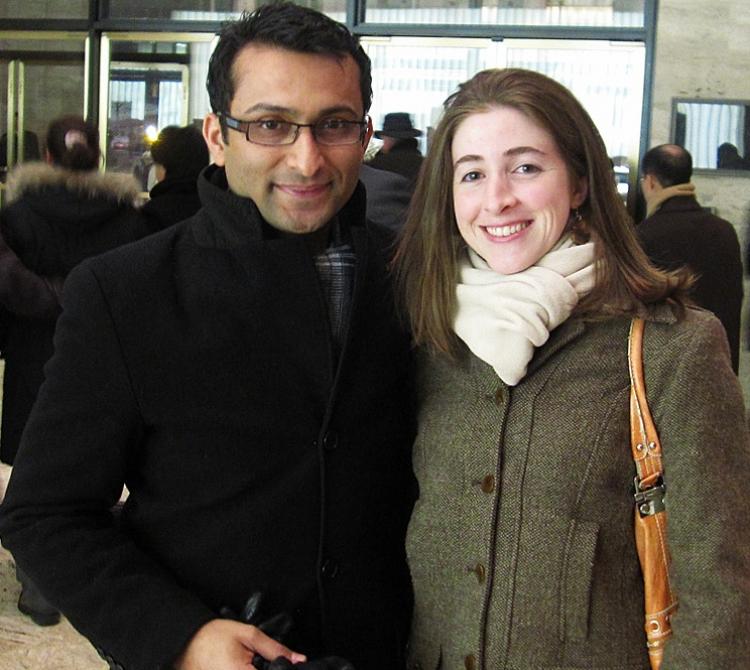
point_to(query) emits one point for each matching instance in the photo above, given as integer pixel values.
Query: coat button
(499, 396)
(488, 484)
(329, 569)
(330, 440)
(470, 662)
(479, 571)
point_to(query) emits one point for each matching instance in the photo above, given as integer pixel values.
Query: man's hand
(230, 645)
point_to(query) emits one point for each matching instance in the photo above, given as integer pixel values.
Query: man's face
(298, 187)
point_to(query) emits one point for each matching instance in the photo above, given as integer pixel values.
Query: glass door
(149, 81)
(42, 76)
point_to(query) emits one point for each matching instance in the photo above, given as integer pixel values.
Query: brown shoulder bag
(650, 512)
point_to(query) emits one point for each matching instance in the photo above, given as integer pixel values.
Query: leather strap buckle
(650, 501)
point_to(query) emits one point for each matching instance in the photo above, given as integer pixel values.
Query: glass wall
(416, 75)
(203, 10)
(589, 13)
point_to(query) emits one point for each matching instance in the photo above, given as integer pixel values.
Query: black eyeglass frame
(244, 127)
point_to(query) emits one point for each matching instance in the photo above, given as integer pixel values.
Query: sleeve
(80, 444)
(24, 293)
(701, 419)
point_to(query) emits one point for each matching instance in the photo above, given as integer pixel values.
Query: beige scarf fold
(657, 199)
(502, 318)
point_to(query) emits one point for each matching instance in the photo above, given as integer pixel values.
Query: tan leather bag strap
(644, 439)
(660, 602)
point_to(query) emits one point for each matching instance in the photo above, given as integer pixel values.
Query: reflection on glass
(590, 13)
(143, 99)
(152, 84)
(207, 10)
(715, 132)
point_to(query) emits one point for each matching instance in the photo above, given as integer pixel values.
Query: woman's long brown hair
(426, 261)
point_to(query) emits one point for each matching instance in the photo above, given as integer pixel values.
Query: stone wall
(703, 51)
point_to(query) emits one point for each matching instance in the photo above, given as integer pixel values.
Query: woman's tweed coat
(521, 544)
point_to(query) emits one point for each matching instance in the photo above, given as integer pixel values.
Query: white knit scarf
(502, 318)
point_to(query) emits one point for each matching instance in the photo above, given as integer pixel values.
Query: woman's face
(512, 191)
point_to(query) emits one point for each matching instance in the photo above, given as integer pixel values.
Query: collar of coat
(35, 176)
(656, 199)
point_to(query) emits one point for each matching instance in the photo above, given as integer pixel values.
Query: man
(677, 231)
(388, 196)
(399, 153)
(244, 375)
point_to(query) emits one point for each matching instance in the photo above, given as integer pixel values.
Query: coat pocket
(578, 571)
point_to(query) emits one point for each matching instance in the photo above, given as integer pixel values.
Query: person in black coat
(179, 155)
(678, 232)
(388, 196)
(400, 151)
(245, 374)
(58, 213)
(23, 292)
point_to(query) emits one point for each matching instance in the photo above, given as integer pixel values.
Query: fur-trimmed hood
(36, 176)
(75, 200)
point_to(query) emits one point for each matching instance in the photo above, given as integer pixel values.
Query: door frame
(17, 59)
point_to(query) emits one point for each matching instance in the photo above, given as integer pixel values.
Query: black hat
(398, 124)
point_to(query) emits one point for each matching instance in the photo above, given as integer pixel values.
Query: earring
(578, 227)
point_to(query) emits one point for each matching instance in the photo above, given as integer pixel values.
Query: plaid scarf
(335, 268)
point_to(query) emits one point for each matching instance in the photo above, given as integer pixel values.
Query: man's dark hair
(669, 163)
(287, 26)
(182, 151)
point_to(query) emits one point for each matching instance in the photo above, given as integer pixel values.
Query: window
(589, 13)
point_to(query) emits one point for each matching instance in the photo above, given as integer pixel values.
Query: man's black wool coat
(196, 366)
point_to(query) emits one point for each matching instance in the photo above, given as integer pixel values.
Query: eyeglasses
(274, 133)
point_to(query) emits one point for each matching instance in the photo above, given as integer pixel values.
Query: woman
(520, 274)
(58, 213)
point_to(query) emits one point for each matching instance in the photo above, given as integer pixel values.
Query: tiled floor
(26, 646)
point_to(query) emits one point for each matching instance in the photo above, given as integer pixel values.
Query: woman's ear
(580, 192)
